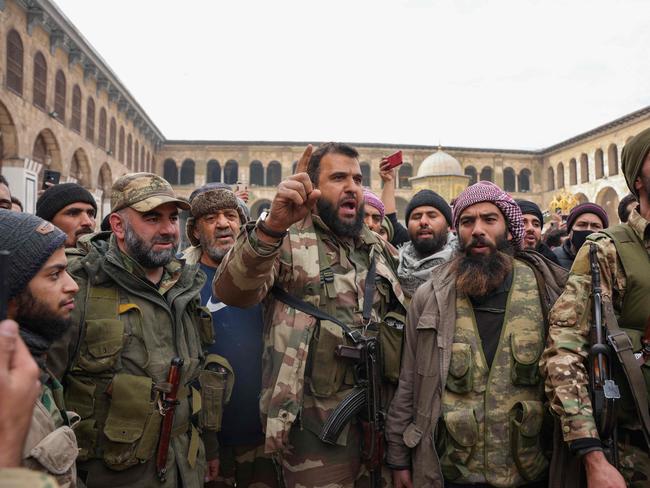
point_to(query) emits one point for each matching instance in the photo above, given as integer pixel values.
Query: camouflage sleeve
(563, 361)
(248, 271)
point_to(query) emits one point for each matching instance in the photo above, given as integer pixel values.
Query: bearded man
(140, 310)
(314, 248)
(428, 219)
(474, 334)
(41, 298)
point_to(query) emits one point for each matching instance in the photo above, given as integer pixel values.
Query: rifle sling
(623, 347)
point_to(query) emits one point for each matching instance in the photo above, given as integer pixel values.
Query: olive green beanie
(634, 153)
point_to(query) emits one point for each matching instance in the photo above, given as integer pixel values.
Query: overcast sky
(506, 74)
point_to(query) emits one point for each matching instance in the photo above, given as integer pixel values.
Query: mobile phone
(50, 178)
(392, 161)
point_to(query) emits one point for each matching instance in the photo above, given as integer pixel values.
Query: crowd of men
(325, 344)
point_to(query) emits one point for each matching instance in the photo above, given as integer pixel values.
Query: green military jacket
(115, 359)
(311, 264)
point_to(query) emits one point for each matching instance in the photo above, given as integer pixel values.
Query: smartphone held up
(392, 161)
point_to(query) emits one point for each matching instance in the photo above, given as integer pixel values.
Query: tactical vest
(635, 309)
(492, 417)
(120, 410)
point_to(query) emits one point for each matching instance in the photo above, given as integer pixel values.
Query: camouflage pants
(245, 466)
(310, 463)
(634, 465)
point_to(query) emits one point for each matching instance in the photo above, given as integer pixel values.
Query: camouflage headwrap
(210, 201)
(486, 191)
(634, 153)
(143, 192)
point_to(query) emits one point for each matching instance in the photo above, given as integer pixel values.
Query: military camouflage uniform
(245, 466)
(299, 384)
(22, 478)
(563, 361)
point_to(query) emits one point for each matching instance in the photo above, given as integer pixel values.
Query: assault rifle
(167, 409)
(604, 390)
(365, 400)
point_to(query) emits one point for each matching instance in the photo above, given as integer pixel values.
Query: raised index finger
(301, 167)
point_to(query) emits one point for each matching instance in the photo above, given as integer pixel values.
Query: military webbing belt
(623, 347)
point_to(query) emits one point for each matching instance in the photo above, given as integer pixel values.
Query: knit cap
(369, 198)
(486, 191)
(530, 208)
(59, 196)
(429, 198)
(30, 241)
(584, 208)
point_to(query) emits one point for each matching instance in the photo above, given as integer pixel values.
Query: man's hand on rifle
(295, 199)
(402, 478)
(601, 474)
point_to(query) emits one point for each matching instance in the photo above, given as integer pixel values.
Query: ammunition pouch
(457, 442)
(526, 420)
(216, 381)
(101, 346)
(526, 348)
(391, 333)
(325, 371)
(461, 368)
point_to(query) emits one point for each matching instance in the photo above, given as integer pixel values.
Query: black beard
(477, 276)
(39, 320)
(142, 252)
(329, 214)
(429, 246)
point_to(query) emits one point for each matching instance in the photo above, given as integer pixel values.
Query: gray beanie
(30, 241)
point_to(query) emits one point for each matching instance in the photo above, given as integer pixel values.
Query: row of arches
(125, 147)
(512, 182)
(578, 169)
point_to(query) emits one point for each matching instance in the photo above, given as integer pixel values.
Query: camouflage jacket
(563, 361)
(253, 267)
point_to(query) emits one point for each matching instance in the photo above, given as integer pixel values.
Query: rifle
(4, 292)
(604, 390)
(364, 399)
(644, 354)
(167, 410)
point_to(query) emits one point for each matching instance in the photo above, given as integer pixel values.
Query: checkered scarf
(486, 191)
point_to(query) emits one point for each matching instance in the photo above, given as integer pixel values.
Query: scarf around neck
(413, 269)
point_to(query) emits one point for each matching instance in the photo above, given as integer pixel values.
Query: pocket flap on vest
(104, 337)
(57, 451)
(529, 416)
(461, 425)
(130, 407)
(526, 346)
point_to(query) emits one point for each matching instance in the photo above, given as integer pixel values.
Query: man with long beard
(41, 298)
(139, 312)
(314, 247)
(622, 255)
(469, 377)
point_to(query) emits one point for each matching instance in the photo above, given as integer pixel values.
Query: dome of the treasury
(440, 164)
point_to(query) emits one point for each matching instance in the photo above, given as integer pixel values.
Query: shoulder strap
(369, 291)
(622, 344)
(309, 309)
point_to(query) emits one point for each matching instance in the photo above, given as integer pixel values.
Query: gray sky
(510, 74)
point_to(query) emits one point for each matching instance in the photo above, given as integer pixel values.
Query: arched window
(231, 172)
(365, 174)
(471, 172)
(487, 174)
(256, 173)
(170, 171)
(187, 172)
(101, 140)
(509, 180)
(90, 119)
(524, 180)
(39, 152)
(143, 162)
(550, 180)
(612, 160)
(405, 172)
(75, 120)
(273, 173)
(584, 168)
(112, 136)
(573, 172)
(15, 62)
(600, 164)
(214, 172)
(39, 89)
(560, 175)
(120, 149)
(129, 148)
(59, 95)
(136, 157)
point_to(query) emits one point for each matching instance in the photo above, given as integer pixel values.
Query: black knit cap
(30, 241)
(530, 208)
(430, 198)
(58, 196)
